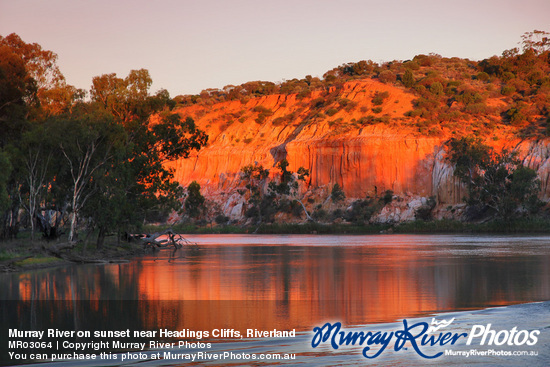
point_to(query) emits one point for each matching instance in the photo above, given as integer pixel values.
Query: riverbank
(520, 226)
(23, 254)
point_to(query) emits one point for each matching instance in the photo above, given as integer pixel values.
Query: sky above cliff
(189, 46)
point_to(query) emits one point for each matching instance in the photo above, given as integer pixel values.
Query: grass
(40, 261)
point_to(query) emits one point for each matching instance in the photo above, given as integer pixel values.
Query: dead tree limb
(174, 240)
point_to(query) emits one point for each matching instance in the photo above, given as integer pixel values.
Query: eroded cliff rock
(342, 136)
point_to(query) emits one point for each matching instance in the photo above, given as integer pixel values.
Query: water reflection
(291, 282)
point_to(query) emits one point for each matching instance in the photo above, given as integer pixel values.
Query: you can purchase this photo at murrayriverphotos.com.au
(297, 183)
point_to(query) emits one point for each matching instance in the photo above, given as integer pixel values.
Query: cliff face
(344, 136)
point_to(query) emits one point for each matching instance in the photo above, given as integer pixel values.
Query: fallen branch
(175, 240)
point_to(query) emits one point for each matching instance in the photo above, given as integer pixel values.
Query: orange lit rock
(331, 136)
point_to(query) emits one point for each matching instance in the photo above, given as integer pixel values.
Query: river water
(295, 282)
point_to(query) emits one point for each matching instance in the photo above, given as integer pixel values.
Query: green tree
(154, 136)
(87, 145)
(127, 99)
(337, 194)
(436, 89)
(50, 94)
(408, 79)
(36, 161)
(288, 184)
(537, 41)
(17, 88)
(194, 202)
(39, 63)
(17, 91)
(496, 182)
(255, 177)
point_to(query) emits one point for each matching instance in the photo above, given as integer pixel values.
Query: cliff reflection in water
(296, 282)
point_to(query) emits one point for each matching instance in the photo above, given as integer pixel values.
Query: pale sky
(189, 46)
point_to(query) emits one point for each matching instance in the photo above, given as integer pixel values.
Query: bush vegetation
(447, 89)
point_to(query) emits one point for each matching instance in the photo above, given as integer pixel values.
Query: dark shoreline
(519, 226)
(22, 255)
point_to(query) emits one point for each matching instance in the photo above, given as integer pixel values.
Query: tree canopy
(498, 183)
(100, 164)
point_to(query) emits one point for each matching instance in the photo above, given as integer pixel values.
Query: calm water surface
(284, 282)
(306, 279)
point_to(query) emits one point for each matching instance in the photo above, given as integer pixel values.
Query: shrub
(303, 94)
(507, 90)
(516, 115)
(263, 114)
(252, 212)
(424, 212)
(350, 106)
(337, 121)
(469, 96)
(343, 102)
(366, 120)
(436, 89)
(520, 85)
(507, 76)
(497, 183)
(318, 103)
(476, 109)
(377, 109)
(408, 79)
(483, 76)
(380, 97)
(194, 203)
(414, 113)
(388, 197)
(337, 194)
(411, 65)
(260, 119)
(320, 214)
(331, 111)
(387, 76)
(221, 219)
(261, 109)
(429, 104)
(296, 208)
(362, 210)
(337, 214)
(535, 77)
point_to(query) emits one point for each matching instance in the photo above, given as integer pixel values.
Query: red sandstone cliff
(330, 134)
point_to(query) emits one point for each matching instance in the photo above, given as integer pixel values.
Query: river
(295, 282)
